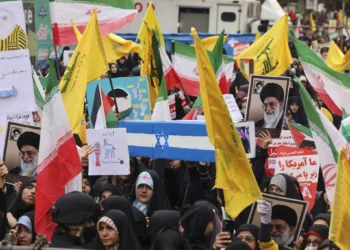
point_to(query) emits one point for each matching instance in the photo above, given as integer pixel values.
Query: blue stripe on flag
(183, 154)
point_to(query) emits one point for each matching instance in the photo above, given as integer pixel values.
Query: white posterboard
(111, 156)
(16, 82)
(67, 55)
(233, 108)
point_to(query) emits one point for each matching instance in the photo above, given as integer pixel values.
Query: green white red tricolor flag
(332, 86)
(327, 138)
(59, 161)
(112, 15)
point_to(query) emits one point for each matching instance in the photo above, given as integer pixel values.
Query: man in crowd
(272, 98)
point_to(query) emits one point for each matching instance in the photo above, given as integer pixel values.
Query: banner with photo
(11, 155)
(131, 93)
(302, 164)
(322, 50)
(267, 99)
(172, 106)
(285, 208)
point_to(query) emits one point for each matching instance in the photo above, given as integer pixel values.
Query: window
(228, 17)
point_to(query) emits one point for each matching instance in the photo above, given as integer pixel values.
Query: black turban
(272, 90)
(28, 138)
(284, 213)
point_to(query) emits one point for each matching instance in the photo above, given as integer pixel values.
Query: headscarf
(163, 219)
(254, 230)
(299, 116)
(27, 220)
(92, 193)
(119, 203)
(110, 187)
(113, 75)
(238, 245)
(159, 200)
(320, 231)
(285, 183)
(127, 238)
(320, 205)
(322, 216)
(140, 225)
(195, 221)
(327, 243)
(18, 208)
(146, 179)
(169, 239)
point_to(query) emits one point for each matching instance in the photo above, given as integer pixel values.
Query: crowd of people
(169, 204)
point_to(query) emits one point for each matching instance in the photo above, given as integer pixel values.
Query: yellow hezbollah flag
(257, 36)
(87, 64)
(312, 22)
(271, 54)
(210, 42)
(117, 47)
(340, 227)
(233, 172)
(147, 67)
(336, 60)
(152, 23)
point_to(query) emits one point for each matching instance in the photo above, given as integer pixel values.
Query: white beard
(283, 238)
(29, 169)
(6, 27)
(272, 120)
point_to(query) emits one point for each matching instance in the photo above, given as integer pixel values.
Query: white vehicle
(207, 16)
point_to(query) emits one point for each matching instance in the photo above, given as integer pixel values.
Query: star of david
(162, 140)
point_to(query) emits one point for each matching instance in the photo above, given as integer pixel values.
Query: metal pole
(113, 94)
(341, 24)
(57, 63)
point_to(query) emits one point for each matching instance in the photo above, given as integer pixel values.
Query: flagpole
(186, 96)
(57, 64)
(113, 94)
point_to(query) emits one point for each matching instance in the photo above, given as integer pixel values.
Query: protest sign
(322, 50)
(24, 118)
(11, 155)
(238, 48)
(171, 100)
(302, 164)
(169, 140)
(131, 94)
(233, 108)
(67, 55)
(267, 98)
(332, 24)
(300, 208)
(16, 84)
(111, 156)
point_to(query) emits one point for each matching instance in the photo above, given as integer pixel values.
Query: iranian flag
(327, 138)
(227, 69)
(332, 86)
(59, 161)
(102, 115)
(185, 64)
(112, 15)
(161, 111)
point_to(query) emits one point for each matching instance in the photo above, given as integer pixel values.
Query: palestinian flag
(112, 15)
(302, 135)
(196, 110)
(59, 161)
(327, 138)
(102, 115)
(332, 86)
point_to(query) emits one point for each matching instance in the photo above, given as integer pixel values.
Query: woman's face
(114, 68)
(294, 107)
(144, 193)
(209, 229)
(273, 189)
(105, 194)
(28, 195)
(248, 238)
(108, 235)
(24, 236)
(313, 241)
(86, 186)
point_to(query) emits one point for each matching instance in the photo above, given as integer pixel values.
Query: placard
(302, 164)
(131, 93)
(16, 84)
(233, 108)
(238, 48)
(111, 156)
(267, 99)
(322, 50)
(67, 55)
(171, 100)
(11, 155)
(300, 207)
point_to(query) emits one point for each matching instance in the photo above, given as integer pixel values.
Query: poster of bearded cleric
(266, 103)
(21, 148)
